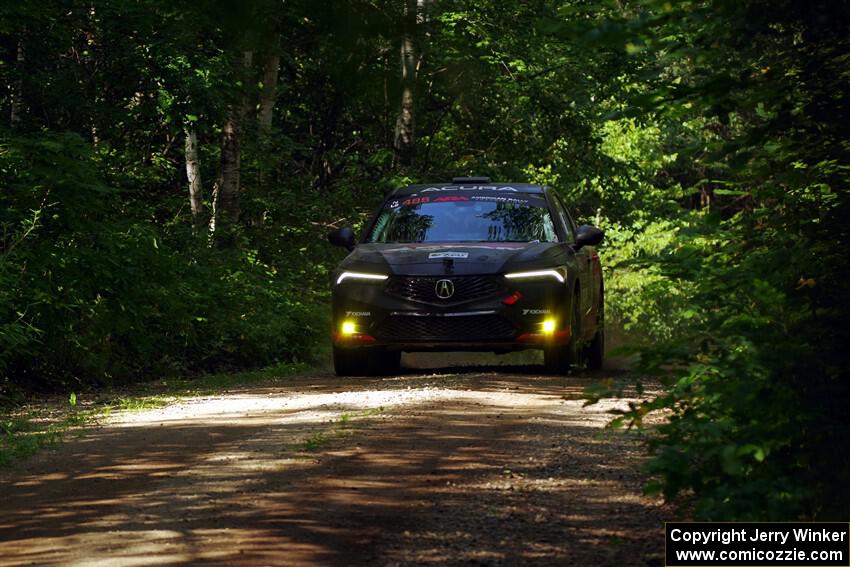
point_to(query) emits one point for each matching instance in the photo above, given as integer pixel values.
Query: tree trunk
(268, 95)
(405, 135)
(226, 193)
(17, 94)
(193, 174)
(226, 207)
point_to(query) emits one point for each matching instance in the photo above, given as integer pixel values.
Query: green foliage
(708, 140)
(742, 433)
(744, 298)
(95, 294)
(640, 299)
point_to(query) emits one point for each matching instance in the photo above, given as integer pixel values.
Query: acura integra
(468, 266)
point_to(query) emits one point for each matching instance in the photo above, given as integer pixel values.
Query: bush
(95, 293)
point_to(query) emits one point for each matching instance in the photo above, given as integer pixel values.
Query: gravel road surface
(448, 466)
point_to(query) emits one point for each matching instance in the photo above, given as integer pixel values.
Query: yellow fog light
(348, 328)
(548, 326)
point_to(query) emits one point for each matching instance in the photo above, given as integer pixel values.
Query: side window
(549, 233)
(566, 221)
(570, 222)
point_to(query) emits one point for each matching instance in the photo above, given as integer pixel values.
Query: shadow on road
(487, 468)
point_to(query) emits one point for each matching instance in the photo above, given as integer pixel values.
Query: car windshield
(464, 218)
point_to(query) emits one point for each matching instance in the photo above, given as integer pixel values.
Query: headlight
(557, 274)
(359, 276)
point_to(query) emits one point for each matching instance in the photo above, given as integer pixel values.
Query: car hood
(451, 258)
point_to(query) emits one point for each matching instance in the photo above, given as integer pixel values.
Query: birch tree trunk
(268, 94)
(193, 174)
(405, 134)
(226, 208)
(17, 94)
(268, 97)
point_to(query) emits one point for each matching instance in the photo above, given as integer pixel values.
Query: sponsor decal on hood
(433, 255)
(478, 245)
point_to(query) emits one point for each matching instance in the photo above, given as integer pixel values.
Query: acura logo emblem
(444, 289)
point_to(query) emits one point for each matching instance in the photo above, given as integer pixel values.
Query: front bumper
(510, 315)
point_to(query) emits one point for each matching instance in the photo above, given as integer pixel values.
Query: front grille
(466, 288)
(464, 328)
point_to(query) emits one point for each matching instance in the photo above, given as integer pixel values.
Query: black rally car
(468, 266)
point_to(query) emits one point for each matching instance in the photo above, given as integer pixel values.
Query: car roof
(474, 186)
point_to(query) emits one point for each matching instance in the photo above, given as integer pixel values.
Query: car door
(584, 264)
(569, 237)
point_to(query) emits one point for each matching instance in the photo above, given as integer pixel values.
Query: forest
(169, 172)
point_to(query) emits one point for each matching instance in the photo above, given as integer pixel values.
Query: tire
(385, 363)
(350, 362)
(595, 353)
(560, 359)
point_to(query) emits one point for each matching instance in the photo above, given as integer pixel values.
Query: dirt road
(455, 466)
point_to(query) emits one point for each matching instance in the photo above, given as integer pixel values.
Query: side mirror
(342, 237)
(588, 235)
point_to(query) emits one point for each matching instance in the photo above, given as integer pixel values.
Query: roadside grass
(339, 428)
(214, 383)
(24, 434)
(28, 427)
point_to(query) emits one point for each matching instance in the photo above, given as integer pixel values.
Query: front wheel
(595, 352)
(350, 361)
(386, 363)
(365, 362)
(560, 359)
